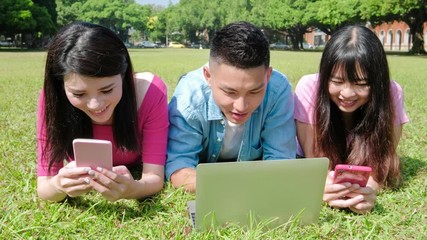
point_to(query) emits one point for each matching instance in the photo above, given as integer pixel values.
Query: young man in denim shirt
(235, 108)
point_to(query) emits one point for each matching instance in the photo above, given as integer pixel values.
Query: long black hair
(357, 51)
(90, 50)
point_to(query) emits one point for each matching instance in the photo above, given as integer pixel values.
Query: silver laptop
(244, 193)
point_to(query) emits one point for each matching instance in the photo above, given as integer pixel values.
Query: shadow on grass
(125, 210)
(411, 167)
(330, 214)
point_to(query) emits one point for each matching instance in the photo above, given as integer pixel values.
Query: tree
(330, 15)
(412, 12)
(237, 10)
(118, 15)
(15, 16)
(44, 22)
(50, 6)
(189, 25)
(68, 11)
(157, 33)
(27, 18)
(289, 17)
(106, 13)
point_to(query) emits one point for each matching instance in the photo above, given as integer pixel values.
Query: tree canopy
(196, 20)
(294, 18)
(26, 17)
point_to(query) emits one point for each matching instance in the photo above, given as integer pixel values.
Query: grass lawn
(398, 214)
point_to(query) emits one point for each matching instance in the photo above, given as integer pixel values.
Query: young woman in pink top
(90, 91)
(352, 113)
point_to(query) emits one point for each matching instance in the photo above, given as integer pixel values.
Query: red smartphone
(93, 153)
(352, 174)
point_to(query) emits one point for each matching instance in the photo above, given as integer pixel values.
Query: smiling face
(95, 96)
(347, 95)
(237, 92)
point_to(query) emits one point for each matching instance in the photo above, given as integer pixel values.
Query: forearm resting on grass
(150, 183)
(69, 181)
(52, 188)
(186, 178)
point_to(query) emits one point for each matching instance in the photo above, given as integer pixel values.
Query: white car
(146, 44)
(6, 43)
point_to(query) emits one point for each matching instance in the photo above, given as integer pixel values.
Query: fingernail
(87, 169)
(99, 169)
(91, 173)
(86, 180)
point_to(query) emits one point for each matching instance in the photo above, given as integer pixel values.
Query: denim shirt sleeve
(278, 133)
(187, 128)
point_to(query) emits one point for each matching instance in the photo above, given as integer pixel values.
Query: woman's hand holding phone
(336, 194)
(71, 180)
(113, 185)
(369, 194)
(347, 195)
(77, 181)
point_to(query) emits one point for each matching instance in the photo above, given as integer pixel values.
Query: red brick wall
(394, 36)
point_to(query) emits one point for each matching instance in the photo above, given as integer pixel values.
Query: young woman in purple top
(352, 113)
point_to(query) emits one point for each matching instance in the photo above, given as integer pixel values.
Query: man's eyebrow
(226, 88)
(261, 86)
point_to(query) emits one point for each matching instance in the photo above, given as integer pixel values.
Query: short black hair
(242, 45)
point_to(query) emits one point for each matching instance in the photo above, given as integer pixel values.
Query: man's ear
(207, 74)
(268, 73)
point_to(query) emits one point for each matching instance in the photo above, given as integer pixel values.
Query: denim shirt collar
(214, 112)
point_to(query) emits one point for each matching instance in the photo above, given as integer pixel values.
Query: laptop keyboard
(191, 207)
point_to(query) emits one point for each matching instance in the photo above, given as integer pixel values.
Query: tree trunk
(417, 34)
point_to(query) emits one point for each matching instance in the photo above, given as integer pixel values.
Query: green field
(398, 214)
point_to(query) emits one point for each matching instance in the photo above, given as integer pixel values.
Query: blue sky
(157, 2)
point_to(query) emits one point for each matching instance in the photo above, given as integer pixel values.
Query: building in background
(394, 36)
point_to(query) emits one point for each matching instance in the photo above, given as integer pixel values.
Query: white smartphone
(93, 153)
